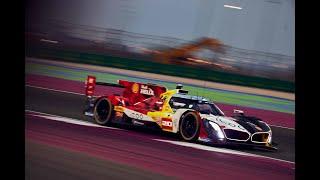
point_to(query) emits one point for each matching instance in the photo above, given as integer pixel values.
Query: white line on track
(180, 143)
(220, 150)
(67, 120)
(68, 92)
(49, 89)
(283, 127)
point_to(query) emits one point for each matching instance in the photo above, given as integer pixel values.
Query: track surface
(58, 150)
(71, 105)
(52, 163)
(79, 74)
(54, 150)
(271, 117)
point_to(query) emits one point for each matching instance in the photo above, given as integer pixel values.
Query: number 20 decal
(167, 123)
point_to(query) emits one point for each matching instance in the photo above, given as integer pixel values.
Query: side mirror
(238, 112)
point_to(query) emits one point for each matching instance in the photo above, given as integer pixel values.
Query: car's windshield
(203, 107)
(206, 108)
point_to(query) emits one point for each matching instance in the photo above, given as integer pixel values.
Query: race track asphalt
(51, 163)
(71, 106)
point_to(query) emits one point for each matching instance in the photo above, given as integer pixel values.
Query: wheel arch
(99, 99)
(177, 117)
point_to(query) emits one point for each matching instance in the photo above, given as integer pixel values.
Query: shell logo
(135, 88)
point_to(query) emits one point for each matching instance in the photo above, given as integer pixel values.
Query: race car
(194, 118)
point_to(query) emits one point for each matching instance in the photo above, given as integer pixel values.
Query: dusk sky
(262, 25)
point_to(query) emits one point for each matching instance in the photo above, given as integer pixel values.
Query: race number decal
(166, 124)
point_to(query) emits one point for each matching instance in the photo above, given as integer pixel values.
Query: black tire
(103, 111)
(189, 126)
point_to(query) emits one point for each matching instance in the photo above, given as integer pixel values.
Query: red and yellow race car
(194, 118)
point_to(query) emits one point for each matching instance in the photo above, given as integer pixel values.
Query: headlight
(217, 130)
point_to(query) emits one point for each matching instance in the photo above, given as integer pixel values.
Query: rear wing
(134, 91)
(91, 84)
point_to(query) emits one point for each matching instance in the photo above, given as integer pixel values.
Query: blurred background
(247, 43)
(244, 42)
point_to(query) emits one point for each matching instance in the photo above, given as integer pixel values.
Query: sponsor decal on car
(119, 108)
(146, 90)
(230, 123)
(166, 124)
(136, 115)
(135, 88)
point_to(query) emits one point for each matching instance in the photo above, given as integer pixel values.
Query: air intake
(182, 91)
(236, 135)
(179, 86)
(260, 137)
